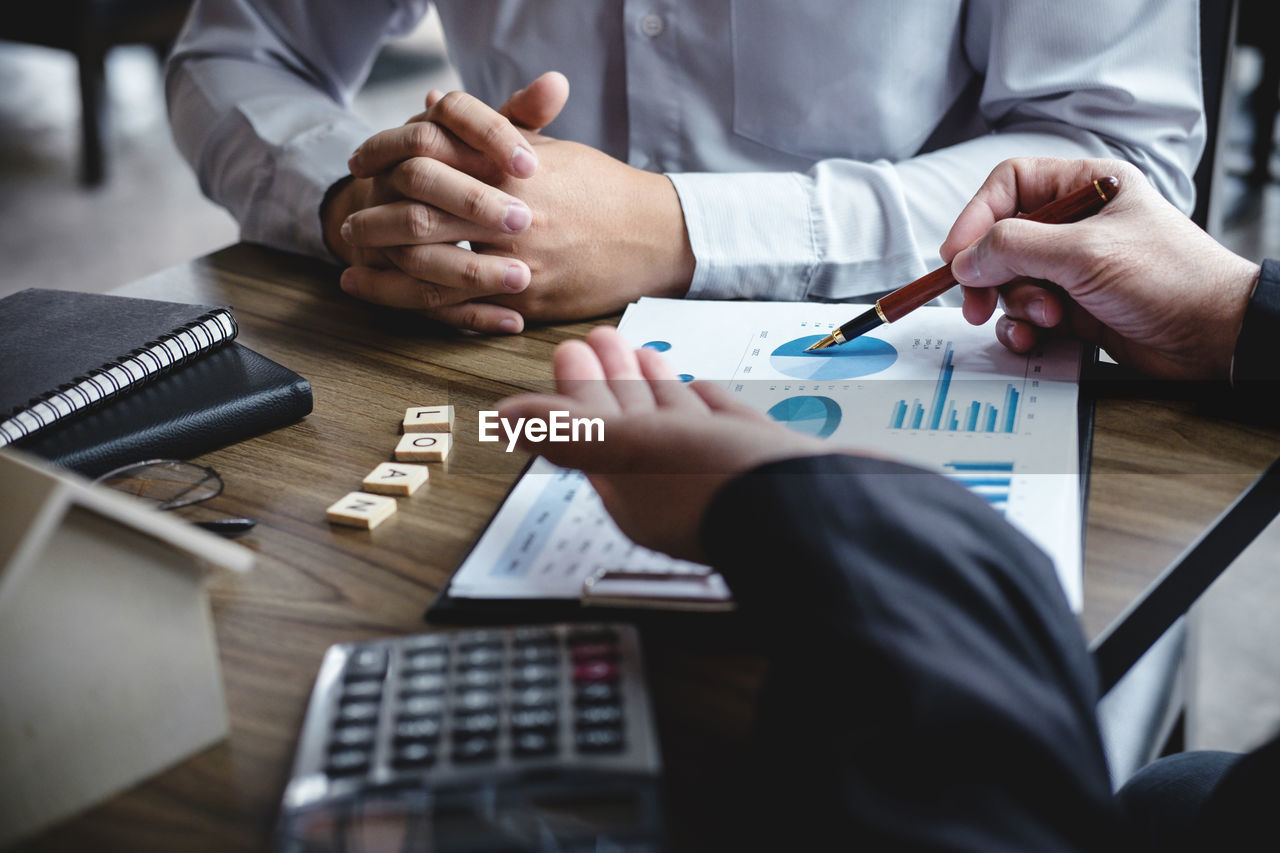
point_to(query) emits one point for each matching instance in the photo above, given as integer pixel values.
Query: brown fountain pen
(1083, 202)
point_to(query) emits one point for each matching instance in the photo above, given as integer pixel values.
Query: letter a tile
(395, 478)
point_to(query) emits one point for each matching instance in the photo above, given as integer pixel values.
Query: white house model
(108, 665)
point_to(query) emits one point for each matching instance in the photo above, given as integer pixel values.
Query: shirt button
(652, 25)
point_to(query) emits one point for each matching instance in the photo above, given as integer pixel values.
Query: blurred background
(64, 227)
(92, 211)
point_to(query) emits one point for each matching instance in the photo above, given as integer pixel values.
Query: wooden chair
(88, 29)
(1218, 27)
(1264, 102)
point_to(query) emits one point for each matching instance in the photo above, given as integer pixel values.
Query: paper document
(929, 389)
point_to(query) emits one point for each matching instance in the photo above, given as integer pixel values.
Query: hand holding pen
(1140, 278)
(1085, 201)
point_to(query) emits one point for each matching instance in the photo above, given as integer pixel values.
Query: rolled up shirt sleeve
(258, 94)
(820, 150)
(1095, 79)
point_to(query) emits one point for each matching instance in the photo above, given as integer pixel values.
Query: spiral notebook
(64, 352)
(229, 395)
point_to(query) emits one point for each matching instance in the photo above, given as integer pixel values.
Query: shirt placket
(653, 84)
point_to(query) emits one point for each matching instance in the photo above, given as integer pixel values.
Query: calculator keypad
(452, 703)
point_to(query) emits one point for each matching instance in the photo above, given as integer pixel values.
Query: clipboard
(671, 613)
(478, 598)
(721, 624)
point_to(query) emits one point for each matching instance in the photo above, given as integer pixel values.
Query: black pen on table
(1083, 202)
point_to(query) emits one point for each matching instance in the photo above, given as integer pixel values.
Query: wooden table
(1160, 472)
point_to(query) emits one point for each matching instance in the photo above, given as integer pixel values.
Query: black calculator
(523, 739)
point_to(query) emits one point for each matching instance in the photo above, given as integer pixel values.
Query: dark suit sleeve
(1255, 366)
(929, 687)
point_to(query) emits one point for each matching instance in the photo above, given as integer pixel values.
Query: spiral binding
(161, 355)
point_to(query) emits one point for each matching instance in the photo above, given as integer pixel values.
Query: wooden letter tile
(395, 478)
(428, 419)
(358, 509)
(423, 447)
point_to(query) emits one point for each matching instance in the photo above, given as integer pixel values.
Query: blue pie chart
(859, 357)
(817, 416)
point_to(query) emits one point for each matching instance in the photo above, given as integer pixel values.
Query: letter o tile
(423, 447)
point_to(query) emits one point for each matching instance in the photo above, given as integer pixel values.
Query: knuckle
(420, 177)
(1126, 171)
(999, 238)
(416, 262)
(374, 145)
(401, 176)
(472, 272)
(492, 133)
(473, 202)
(422, 222)
(429, 296)
(451, 105)
(423, 138)
(469, 317)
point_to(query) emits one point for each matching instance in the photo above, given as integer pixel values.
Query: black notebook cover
(77, 350)
(226, 396)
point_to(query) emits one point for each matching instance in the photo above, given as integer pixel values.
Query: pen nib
(829, 340)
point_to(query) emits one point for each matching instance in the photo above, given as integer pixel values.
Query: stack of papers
(929, 389)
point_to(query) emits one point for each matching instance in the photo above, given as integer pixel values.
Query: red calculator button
(596, 670)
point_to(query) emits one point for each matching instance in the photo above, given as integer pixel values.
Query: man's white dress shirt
(820, 149)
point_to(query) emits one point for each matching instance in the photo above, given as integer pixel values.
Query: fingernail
(346, 282)
(353, 162)
(1002, 332)
(346, 230)
(963, 267)
(518, 217)
(509, 326)
(513, 279)
(523, 162)
(1036, 310)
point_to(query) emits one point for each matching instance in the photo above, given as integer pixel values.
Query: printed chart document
(930, 390)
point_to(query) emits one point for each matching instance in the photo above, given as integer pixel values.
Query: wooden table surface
(1160, 472)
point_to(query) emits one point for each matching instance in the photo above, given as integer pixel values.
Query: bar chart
(990, 481)
(931, 390)
(952, 414)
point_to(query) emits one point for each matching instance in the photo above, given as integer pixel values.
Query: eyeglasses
(173, 483)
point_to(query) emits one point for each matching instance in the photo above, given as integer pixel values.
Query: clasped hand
(557, 230)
